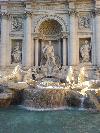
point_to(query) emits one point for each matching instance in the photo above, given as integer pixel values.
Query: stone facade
(71, 26)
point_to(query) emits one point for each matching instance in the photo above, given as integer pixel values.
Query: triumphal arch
(70, 28)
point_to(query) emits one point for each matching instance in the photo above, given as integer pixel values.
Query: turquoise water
(16, 120)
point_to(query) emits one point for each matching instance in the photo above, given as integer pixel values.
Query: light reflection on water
(17, 120)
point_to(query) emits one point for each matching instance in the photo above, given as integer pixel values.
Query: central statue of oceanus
(48, 54)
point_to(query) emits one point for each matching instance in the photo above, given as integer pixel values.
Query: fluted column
(33, 52)
(27, 48)
(97, 36)
(36, 51)
(72, 50)
(59, 48)
(64, 51)
(4, 37)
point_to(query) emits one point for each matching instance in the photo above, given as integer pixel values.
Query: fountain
(49, 90)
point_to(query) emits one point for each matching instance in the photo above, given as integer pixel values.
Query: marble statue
(70, 75)
(17, 73)
(16, 54)
(28, 75)
(85, 52)
(15, 76)
(48, 52)
(82, 75)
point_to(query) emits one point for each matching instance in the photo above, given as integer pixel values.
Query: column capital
(36, 35)
(72, 12)
(96, 12)
(4, 14)
(27, 13)
(64, 35)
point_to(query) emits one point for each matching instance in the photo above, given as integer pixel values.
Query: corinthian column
(4, 37)
(36, 51)
(97, 36)
(72, 49)
(27, 48)
(64, 49)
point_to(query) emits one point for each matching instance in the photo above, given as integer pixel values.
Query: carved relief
(84, 21)
(85, 51)
(16, 54)
(17, 23)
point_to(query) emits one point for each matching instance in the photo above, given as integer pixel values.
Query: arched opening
(50, 31)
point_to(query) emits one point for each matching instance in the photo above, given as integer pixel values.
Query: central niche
(50, 31)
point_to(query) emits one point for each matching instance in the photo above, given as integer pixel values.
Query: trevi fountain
(49, 66)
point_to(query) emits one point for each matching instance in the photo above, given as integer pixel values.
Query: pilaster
(97, 31)
(4, 36)
(72, 49)
(27, 48)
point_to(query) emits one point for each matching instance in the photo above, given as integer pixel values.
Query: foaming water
(43, 109)
(82, 103)
(50, 109)
(82, 109)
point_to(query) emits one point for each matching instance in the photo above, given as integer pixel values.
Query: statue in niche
(16, 54)
(85, 51)
(48, 55)
(17, 23)
(48, 52)
(84, 22)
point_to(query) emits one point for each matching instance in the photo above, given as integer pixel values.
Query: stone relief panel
(84, 21)
(17, 23)
(85, 50)
(16, 52)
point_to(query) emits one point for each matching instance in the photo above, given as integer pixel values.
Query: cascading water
(82, 103)
(47, 94)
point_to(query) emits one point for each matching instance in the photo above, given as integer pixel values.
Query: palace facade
(72, 27)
